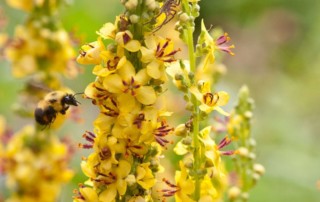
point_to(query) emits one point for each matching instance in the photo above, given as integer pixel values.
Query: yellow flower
(90, 53)
(37, 164)
(86, 194)
(107, 31)
(33, 45)
(116, 182)
(127, 81)
(145, 177)
(26, 5)
(212, 150)
(110, 63)
(211, 45)
(180, 148)
(210, 101)
(184, 188)
(185, 184)
(208, 191)
(157, 52)
(126, 41)
(131, 143)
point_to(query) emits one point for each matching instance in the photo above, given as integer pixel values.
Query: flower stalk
(196, 114)
(247, 172)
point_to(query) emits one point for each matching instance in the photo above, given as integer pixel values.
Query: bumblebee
(53, 103)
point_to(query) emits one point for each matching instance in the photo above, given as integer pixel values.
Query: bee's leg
(63, 111)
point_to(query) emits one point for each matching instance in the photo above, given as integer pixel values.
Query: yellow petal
(142, 77)
(91, 53)
(113, 83)
(147, 55)
(195, 91)
(89, 194)
(151, 42)
(133, 46)
(86, 169)
(127, 71)
(146, 95)
(205, 108)
(153, 70)
(109, 194)
(107, 31)
(180, 149)
(99, 70)
(221, 111)
(127, 103)
(121, 186)
(223, 98)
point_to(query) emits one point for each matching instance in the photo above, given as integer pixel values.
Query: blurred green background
(277, 56)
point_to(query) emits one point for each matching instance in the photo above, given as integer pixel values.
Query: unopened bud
(234, 193)
(151, 4)
(256, 177)
(191, 75)
(258, 168)
(248, 114)
(131, 4)
(187, 141)
(131, 180)
(245, 196)
(252, 142)
(180, 130)
(188, 163)
(252, 156)
(184, 17)
(178, 77)
(243, 151)
(134, 19)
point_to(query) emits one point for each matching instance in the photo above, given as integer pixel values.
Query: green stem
(196, 118)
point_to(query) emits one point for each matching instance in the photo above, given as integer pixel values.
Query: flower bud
(245, 196)
(252, 142)
(178, 77)
(256, 177)
(131, 4)
(151, 4)
(180, 130)
(252, 156)
(248, 114)
(131, 180)
(187, 141)
(258, 168)
(184, 17)
(234, 193)
(188, 163)
(243, 152)
(134, 19)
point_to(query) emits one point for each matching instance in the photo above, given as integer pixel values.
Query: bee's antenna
(78, 93)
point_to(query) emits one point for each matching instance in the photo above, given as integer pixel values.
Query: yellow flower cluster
(41, 44)
(29, 5)
(36, 48)
(36, 166)
(129, 132)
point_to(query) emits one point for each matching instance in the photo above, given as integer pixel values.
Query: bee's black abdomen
(46, 116)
